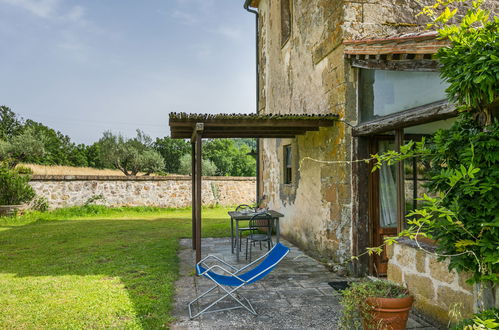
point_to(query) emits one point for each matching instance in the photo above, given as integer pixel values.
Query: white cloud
(73, 47)
(192, 12)
(41, 8)
(229, 32)
(50, 9)
(76, 13)
(72, 28)
(184, 17)
(202, 51)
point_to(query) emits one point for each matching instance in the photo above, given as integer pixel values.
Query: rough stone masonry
(169, 191)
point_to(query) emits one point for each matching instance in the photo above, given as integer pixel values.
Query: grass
(72, 170)
(94, 267)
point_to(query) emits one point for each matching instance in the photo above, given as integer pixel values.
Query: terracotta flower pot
(388, 313)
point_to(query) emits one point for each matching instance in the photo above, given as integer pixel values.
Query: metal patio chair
(260, 226)
(236, 279)
(239, 234)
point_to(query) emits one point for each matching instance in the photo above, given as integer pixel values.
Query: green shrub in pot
(362, 305)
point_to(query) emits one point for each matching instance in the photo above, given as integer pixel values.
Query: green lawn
(94, 267)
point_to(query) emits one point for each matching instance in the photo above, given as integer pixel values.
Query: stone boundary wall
(168, 191)
(436, 290)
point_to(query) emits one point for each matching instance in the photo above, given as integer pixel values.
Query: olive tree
(130, 156)
(21, 148)
(207, 166)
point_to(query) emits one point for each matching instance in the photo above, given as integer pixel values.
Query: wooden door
(382, 204)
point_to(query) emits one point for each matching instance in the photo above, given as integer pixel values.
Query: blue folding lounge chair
(235, 279)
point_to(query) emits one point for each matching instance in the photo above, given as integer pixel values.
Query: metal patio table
(243, 216)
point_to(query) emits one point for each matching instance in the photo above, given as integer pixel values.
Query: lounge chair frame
(229, 290)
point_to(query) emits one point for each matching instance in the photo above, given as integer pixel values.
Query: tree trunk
(487, 114)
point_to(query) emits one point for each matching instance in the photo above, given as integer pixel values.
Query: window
(416, 175)
(285, 21)
(386, 92)
(288, 168)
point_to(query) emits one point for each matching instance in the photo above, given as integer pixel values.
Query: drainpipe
(257, 66)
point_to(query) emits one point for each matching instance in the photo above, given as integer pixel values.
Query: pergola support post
(193, 192)
(199, 126)
(197, 137)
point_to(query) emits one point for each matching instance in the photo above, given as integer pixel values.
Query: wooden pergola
(199, 126)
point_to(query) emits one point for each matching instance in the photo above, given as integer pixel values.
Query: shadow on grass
(141, 253)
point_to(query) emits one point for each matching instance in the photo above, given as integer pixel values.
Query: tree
(78, 156)
(242, 163)
(21, 148)
(228, 158)
(172, 150)
(59, 150)
(129, 156)
(151, 161)
(251, 143)
(208, 168)
(10, 124)
(92, 154)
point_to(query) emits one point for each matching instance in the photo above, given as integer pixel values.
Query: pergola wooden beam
(259, 123)
(258, 129)
(248, 125)
(212, 135)
(196, 127)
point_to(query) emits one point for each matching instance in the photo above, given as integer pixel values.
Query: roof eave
(182, 125)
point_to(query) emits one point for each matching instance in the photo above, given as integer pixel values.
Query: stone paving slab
(296, 295)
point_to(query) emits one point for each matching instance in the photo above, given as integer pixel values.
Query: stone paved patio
(296, 295)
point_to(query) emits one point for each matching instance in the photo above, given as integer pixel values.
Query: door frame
(377, 264)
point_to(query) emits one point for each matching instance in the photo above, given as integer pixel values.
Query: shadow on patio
(296, 295)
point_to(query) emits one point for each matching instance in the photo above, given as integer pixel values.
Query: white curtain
(387, 191)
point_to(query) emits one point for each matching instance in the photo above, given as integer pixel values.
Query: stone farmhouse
(370, 62)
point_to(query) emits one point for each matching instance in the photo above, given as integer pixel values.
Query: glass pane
(416, 171)
(387, 190)
(416, 178)
(288, 156)
(410, 184)
(430, 128)
(285, 21)
(384, 92)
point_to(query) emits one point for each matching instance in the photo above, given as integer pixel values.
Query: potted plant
(14, 190)
(375, 304)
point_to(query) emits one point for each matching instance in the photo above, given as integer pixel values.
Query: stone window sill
(425, 243)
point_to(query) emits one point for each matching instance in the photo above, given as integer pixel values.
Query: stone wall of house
(436, 290)
(169, 191)
(308, 74)
(297, 78)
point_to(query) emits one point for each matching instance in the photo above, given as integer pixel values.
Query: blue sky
(83, 67)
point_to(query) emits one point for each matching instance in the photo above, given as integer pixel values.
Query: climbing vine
(471, 63)
(462, 211)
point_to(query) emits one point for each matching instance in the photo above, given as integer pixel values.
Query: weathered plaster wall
(317, 205)
(308, 74)
(170, 191)
(436, 290)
